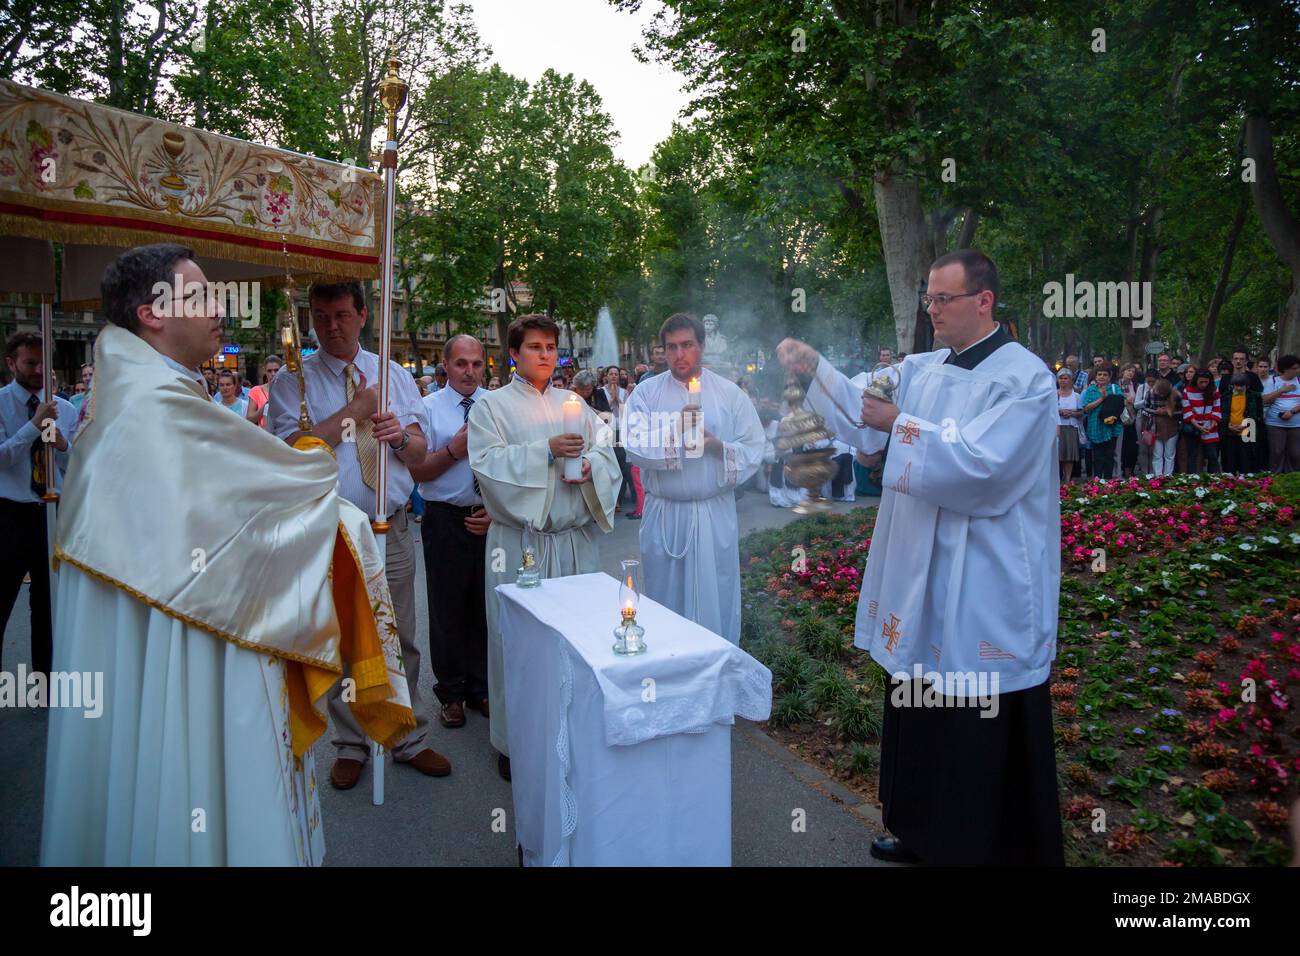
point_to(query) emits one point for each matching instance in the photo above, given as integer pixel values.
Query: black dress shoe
(503, 766)
(891, 850)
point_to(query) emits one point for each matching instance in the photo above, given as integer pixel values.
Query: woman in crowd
(229, 394)
(1102, 430)
(1201, 409)
(1282, 400)
(1127, 446)
(1069, 425)
(1189, 443)
(1164, 410)
(493, 384)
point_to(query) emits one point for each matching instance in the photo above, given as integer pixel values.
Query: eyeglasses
(942, 299)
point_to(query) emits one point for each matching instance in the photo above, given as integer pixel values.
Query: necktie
(367, 447)
(465, 403)
(37, 453)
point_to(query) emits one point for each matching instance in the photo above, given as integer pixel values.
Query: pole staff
(392, 93)
(51, 497)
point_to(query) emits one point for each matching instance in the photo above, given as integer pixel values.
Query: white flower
(1200, 492)
(1295, 538)
(1198, 567)
(1271, 540)
(1218, 557)
(1246, 546)
(1143, 494)
(1232, 506)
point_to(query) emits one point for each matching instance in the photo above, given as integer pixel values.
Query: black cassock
(961, 789)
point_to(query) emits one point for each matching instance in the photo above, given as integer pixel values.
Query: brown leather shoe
(452, 714)
(503, 766)
(481, 705)
(345, 773)
(430, 763)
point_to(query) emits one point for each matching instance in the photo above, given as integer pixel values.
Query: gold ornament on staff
(805, 466)
(291, 342)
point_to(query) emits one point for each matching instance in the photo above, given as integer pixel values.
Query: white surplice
(963, 575)
(189, 763)
(689, 531)
(509, 433)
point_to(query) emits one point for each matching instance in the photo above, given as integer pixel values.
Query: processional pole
(51, 497)
(392, 93)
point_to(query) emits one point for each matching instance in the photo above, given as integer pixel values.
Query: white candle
(573, 416)
(693, 391)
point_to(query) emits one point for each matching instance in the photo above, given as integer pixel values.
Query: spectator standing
(1163, 406)
(24, 411)
(1070, 423)
(1282, 400)
(1103, 430)
(1202, 410)
(258, 395)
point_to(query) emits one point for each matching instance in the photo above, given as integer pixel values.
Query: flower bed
(1177, 676)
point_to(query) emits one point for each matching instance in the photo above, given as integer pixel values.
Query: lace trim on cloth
(568, 800)
(744, 689)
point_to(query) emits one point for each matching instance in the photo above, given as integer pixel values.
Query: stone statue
(715, 343)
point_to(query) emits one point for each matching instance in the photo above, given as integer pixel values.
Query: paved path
(448, 822)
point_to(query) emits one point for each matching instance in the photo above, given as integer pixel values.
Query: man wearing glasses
(962, 581)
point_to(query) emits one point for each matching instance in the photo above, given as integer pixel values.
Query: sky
(593, 41)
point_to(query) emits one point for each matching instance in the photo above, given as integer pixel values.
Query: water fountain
(605, 352)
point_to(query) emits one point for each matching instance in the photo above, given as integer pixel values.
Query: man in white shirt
(343, 401)
(454, 533)
(23, 409)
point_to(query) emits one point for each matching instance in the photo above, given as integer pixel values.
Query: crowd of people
(1236, 415)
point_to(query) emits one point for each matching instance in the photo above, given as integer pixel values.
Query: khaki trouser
(399, 566)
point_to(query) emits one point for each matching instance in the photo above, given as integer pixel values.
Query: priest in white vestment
(517, 447)
(219, 614)
(689, 532)
(962, 581)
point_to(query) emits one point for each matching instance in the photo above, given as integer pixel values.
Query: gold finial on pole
(392, 93)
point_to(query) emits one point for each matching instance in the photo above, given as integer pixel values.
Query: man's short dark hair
(679, 322)
(329, 291)
(537, 321)
(1242, 350)
(22, 340)
(130, 279)
(1286, 362)
(981, 273)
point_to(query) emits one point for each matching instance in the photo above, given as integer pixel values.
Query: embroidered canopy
(99, 179)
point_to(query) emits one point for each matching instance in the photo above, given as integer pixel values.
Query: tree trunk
(1279, 224)
(968, 226)
(1136, 338)
(502, 318)
(1221, 287)
(902, 240)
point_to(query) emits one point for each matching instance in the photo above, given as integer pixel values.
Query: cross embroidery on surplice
(907, 432)
(891, 632)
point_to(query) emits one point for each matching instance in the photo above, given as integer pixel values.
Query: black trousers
(961, 789)
(454, 578)
(843, 475)
(1103, 459)
(24, 552)
(626, 491)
